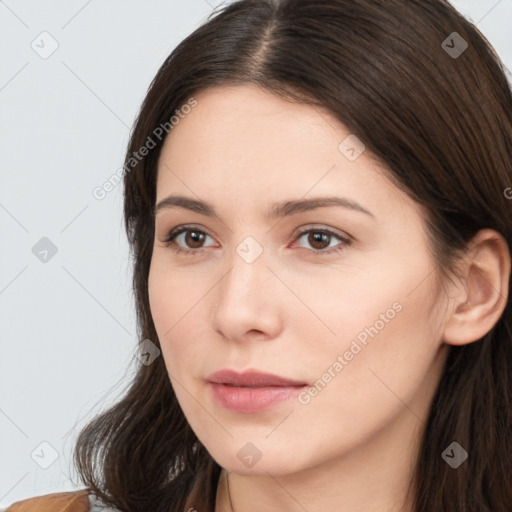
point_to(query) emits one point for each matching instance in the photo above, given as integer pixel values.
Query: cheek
(178, 341)
(378, 313)
(171, 296)
(174, 309)
(380, 359)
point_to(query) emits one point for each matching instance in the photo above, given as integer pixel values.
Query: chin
(269, 461)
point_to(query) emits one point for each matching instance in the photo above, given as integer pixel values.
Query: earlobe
(483, 293)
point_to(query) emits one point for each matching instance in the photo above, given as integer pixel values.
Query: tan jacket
(199, 499)
(74, 501)
(78, 501)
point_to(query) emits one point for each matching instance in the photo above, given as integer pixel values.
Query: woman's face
(355, 315)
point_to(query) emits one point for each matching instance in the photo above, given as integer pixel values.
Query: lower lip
(245, 399)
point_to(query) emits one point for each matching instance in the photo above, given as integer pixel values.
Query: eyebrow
(277, 210)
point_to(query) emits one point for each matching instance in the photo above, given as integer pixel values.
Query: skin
(292, 312)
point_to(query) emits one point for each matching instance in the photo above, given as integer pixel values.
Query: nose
(248, 300)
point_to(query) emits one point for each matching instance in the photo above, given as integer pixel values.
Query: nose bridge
(248, 270)
(248, 296)
(243, 301)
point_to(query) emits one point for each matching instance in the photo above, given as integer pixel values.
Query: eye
(319, 237)
(194, 237)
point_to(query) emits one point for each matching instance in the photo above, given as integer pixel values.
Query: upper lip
(251, 378)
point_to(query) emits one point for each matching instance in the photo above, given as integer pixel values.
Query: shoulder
(74, 501)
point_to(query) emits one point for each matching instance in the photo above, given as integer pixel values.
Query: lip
(251, 391)
(251, 378)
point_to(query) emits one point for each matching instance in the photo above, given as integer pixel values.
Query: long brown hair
(441, 122)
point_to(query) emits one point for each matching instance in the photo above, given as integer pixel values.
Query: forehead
(245, 143)
(246, 119)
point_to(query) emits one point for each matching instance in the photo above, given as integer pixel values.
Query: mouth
(251, 391)
(251, 378)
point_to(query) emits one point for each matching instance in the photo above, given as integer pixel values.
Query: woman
(317, 196)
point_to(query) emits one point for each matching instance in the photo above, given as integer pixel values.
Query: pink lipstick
(251, 391)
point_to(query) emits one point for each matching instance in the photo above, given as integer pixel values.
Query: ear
(482, 295)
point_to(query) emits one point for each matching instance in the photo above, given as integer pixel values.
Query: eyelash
(170, 240)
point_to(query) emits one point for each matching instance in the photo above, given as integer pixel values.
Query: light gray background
(68, 333)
